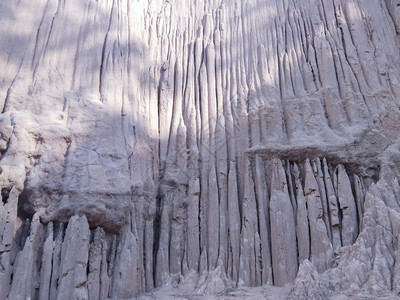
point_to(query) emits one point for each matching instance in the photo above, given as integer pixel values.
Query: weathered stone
(198, 144)
(72, 280)
(25, 266)
(283, 237)
(302, 225)
(320, 246)
(98, 283)
(46, 264)
(349, 224)
(9, 224)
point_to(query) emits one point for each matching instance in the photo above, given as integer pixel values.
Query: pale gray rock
(55, 273)
(72, 281)
(8, 227)
(125, 283)
(213, 220)
(263, 220)
(250, 243)
(319, 176)
(307, 285)
(46, 264)
(215, 283)
(234, 224)
(98, 282)
(333, 209)
(321, 252)
(302, 222)
(367, 268)
(284, 255)
(199, 146)
(347, 205)
(26, 263)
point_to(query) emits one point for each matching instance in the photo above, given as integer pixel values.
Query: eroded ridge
(290, 212)
(182, 129)
(286, 213)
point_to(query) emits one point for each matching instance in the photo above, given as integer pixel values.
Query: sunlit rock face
(200, 145)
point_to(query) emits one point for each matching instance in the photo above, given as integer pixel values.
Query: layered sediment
(226, 144)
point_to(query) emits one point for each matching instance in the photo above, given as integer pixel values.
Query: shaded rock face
(211, 144)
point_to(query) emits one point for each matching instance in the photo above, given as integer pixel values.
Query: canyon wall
(225, 143)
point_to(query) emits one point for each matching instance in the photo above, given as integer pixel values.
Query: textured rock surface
(199, 146)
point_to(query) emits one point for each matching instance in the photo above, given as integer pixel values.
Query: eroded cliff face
(208, 144)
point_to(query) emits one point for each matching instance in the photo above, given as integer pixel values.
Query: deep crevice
(5, 194)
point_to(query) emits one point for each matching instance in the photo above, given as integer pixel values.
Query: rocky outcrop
(211, 144)
(74, 261)
(369, 266)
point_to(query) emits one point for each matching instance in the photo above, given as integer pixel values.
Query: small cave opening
(25, 207)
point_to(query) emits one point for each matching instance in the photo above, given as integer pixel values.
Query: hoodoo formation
(207, 148)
